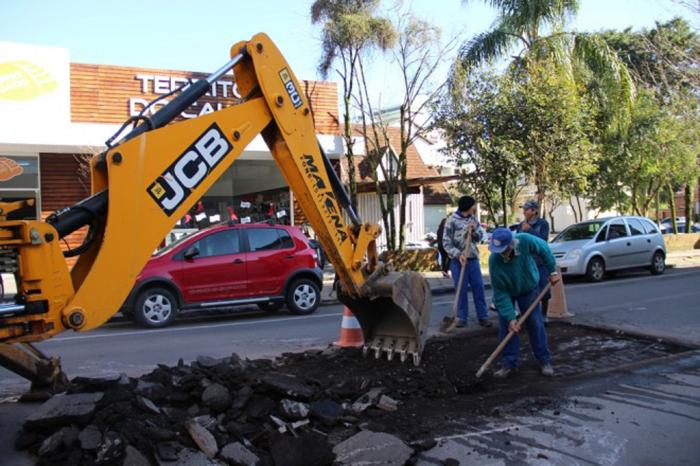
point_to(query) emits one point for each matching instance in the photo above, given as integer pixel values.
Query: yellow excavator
(150, 177)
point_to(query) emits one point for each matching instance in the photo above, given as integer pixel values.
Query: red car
(228, 265)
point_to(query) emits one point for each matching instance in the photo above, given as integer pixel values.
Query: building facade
(55, 115)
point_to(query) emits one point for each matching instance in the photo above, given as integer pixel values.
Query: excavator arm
(153, 176)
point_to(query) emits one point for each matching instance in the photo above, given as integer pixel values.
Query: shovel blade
(394, 313)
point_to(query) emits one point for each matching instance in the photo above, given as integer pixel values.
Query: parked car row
(228, 265)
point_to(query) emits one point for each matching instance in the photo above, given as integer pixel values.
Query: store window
(19, 182)
(250, 191)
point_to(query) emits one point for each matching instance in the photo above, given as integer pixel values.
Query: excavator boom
(152, 177)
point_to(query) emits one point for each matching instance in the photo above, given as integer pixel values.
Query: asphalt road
(644, 415)
(667, 306)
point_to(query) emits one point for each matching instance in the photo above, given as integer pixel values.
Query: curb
(438, 290)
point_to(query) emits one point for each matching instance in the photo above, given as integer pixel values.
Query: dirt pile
(308, 408)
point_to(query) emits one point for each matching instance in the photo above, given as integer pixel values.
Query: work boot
(461, 324)
(503, 373)
(492, 307)
(547, 370)
(485, 323)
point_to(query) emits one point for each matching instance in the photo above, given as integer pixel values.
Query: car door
(641, 246)
(218, 271)
(618, 246)
(270, 258)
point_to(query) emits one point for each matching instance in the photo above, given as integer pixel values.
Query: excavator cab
(149, 178)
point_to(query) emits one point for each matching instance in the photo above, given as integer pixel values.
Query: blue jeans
(535, 330)
(544, 279)
(473, 280)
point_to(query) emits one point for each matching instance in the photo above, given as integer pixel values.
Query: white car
(596, 247)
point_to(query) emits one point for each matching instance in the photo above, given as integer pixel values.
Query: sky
(196, 36)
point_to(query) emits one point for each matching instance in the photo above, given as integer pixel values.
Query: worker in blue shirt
(537, 226)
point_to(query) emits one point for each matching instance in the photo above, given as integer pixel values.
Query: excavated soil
(257, 403)
(437, 397)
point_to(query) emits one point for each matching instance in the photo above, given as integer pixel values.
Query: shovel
(450, 322)
(505, 341)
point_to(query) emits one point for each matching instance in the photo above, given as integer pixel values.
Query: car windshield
(174, 244)
(579, 231)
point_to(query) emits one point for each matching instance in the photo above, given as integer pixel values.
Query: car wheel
(303, 296)
(595, 270)
(155, 307)
(270, 306)
(658, 263)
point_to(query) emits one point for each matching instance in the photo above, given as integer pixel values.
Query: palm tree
(537, 27)
(349, 28)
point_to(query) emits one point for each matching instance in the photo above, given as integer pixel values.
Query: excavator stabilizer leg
(394, 313)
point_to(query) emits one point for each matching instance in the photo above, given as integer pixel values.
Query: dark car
(666, 226)
(228, 265)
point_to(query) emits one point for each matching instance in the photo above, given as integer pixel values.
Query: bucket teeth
(377, 347)
(389, 346)
(404, 348)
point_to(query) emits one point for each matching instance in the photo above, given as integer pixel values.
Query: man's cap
(531, 204)
(500, 240)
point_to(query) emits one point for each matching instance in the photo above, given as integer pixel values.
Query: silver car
(596, 247)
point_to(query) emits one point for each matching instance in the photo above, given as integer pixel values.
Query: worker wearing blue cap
(536, 225)
(514, 278)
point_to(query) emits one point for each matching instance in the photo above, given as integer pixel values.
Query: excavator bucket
(394, 313)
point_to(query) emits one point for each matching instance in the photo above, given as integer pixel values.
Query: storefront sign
(19, 172)
(164, 84)
(34, 88)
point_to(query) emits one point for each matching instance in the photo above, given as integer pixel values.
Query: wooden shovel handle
(461, 275)
(507, 338)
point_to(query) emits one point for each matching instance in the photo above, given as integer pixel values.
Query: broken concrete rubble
(294, 410)
(65, 409)
(367, 400)
(328, 411)
(64, 438)
(90, 437)
(202, 438)
(375, 448)
(133, 457)
(316, 403)
(289, 385)
(147, 404)
(238, 455)
(387, 404)
(216, 397)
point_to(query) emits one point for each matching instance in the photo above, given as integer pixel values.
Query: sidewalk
(438, 285)
(441, 285)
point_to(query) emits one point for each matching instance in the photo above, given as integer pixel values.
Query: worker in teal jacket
(514, 277)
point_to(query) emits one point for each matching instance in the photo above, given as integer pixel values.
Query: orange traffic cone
(557, 305)
(350, 331)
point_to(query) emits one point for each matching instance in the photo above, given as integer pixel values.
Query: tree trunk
(504, 205)
(403, 186)
(672, 203)
(657, 204)
(551, 221)
(688, 208)
(580, 209)
(573, 208)
(349, 152)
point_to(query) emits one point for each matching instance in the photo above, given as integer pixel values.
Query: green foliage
(348, 26)
(575, 55)
(481, 126)
(658, 146)
(513, 130)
